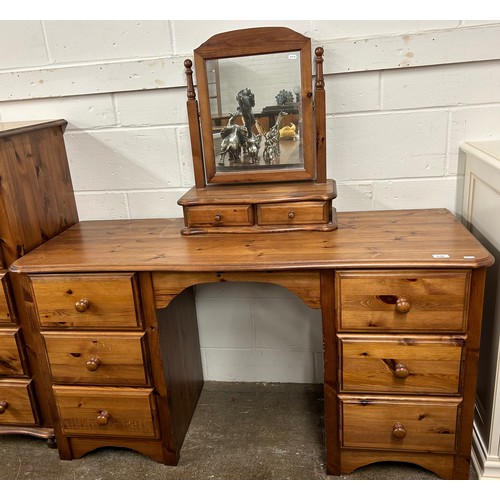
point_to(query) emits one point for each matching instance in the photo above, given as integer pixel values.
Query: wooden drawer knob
(291, 215)
(401, 371)
(217, 217)
(402, 306)
(3, 406)
(93, 364)
(399, 430)
(82, 305)
(103, 417)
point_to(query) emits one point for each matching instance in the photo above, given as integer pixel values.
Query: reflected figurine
(246, 101)
(234, 137)
(272, 140)
(252, 147)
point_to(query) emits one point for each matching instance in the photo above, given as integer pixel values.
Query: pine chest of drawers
(36, 203)
(18, 405)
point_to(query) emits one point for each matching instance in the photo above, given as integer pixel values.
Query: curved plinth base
(152, 449)
(38, 432)
(441, 464)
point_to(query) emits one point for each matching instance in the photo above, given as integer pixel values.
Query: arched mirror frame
(251, 42)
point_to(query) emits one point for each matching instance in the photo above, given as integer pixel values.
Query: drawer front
(83, 301)
(219, 215)
(420, 364)
(402, 301)
(99, 411)
(97, 358)
(6, 305)
(399, 424)
(17, 402)
(10, 356)
(304, 212)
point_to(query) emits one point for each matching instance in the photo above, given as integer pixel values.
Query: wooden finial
(320, 81)
(320, 112)
(191, 94)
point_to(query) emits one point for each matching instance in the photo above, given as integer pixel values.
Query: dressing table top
(397, 238)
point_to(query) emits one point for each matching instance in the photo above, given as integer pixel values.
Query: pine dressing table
(108, 310)
(107, 307)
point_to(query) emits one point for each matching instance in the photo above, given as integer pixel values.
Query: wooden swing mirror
(257, 135)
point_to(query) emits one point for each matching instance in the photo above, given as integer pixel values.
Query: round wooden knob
(103, 417)
(399, 430)
(291, 215)
(402, 306)
(3, 406)
(93, 364)
(401, 370)
(82, 305)
(217, 217)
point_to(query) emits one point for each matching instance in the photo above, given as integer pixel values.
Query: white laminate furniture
(479, 205)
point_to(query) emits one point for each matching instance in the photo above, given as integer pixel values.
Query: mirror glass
(255, 110)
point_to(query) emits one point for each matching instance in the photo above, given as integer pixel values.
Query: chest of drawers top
(379, 239)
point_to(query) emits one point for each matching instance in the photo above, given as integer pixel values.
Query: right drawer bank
(401, 339)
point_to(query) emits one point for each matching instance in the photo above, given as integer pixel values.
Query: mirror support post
(194, 127)
(320, 112)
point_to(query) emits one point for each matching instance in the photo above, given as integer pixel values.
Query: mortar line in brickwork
(171, 34)
(393, 179)
(380, 90)
(448, 144)
(118, 128)
(116, 111)
(46, 43)
(180, 189)
(448, 107)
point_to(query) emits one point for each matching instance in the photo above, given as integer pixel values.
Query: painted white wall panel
(22, 44)
(153, 107)
(83, 112)
(327, 30)
(446, 85)
(387, 145)
(121, 159)
(154, 204)
(82, 41)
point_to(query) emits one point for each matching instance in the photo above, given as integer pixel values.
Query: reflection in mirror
(255, 111)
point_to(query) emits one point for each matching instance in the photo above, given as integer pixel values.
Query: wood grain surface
(369, 300)
(370, 363)
(97, 358)
(18, 394)
(37, 199)
(379, 239)
(131, 411)
(111, 300)
(10, 354)
(430, 424)
(6, 302)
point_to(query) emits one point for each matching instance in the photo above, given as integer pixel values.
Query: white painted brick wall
(85, 112)
(22, 44)
(401, 97)
(83, 41)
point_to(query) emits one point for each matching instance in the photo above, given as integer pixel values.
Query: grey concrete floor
(239, 431)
